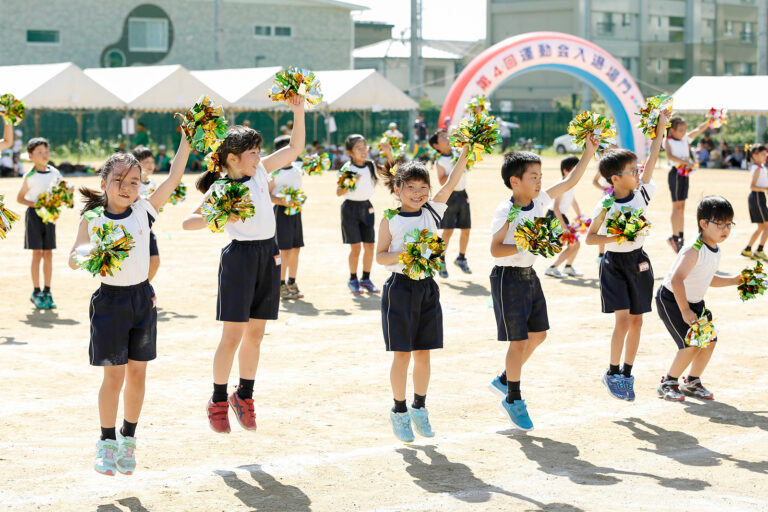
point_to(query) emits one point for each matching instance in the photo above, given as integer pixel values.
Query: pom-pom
(7, 218)
(581, 224)
(48, 205)
(649, 115)
(701, 332)
(228, 199)
(627, 224)
(479, 104)
(717, 117)
(12, 109)
(108, 248)
(589, 122)
(396, 143)
(421, 254)
(753, 282)
(294, 81)
(480, 133)
(204, 124)
(179, 194)
(316, 165)
(294, 197)
(347, 178)
(686, 169)
(539, 236)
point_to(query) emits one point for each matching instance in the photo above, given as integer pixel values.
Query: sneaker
(554, 272)
(760, 255)
(368, 286)
(244, 411)
(38, 300)
(218, 417)
(498, 387)
(463, 265)
(670, 390)
(518, 413)
(442, 271)
(420, 419)
(695, 389)
(106, 450)
(674, 244)
(126, 459)
(629, 386)
(294, 289)
(401, 426)
(354, 286)
(49, 304)
(615, 385)
(571, 271)
(748, 254)
(286, 293)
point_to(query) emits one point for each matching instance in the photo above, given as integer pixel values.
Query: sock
(282, 282)
(108, 433)
(353, 276)
(748, 248)
(47, 289)
(513, 391)
(759, 248)
(601, 254)
(669, 377)
(674, 237)
(129, 429)
(366, 275)
(419, 401)
(613, 369)
(36, 290)
(219, 392)
(626, 370)
(245, 389)
(681, 236)
(462, 256)
(553, 266)
(503, 377)
(691, 377)
(567, 265)
(291, 280)
(400, 406)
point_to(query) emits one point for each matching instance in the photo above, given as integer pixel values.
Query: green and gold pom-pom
(107, 250)
(479, 132)
(294, 81)
(479, 104)
(347, 178)
(589, 122)
(539, 236)
(316, 165)
(204, 125)
(179, 194)
(294, 197)
(753, 282)
(7, 218)
(421, 256)
(48, 205)
(11, 109)
(396, 143)
(627, 224)
(227, 198)
(649, 115)
(702, 332)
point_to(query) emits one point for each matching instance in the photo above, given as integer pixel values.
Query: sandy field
(322, 394)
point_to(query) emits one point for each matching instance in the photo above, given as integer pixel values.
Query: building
(661, 43)
(369, 32)
(318, 34)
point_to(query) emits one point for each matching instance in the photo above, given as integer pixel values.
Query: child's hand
(296, 103)
(689, 316)
(233, 218)
(465, 151)
(386, 147)
(591, 143)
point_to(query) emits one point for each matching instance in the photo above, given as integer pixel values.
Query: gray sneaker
(553, 271)
(695, 389)
(286, 293)
(670, 390)
(294, 289)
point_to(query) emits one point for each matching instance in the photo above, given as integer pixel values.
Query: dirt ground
(322, 391)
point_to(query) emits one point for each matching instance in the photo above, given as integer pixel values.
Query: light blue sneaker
(518, 413)
(442, 271)
(463, 265)
(401, 426)
(106, 450)
(615, 385)
(629, 385)
(126, 460)
(420, 419)
(498, 387)
(354, 286)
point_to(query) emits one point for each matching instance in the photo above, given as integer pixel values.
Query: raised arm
(563, 186)
(7, 140)
(653, 154)
(82, 238)
(453, 179)
(698, 130)
(160, 196)
(284, 156)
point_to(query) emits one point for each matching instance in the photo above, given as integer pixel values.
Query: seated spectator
(162, 160)
(702, 154)
(735, 159)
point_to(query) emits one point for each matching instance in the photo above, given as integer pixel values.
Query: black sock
(282, 282)
(503, 377)
(601, 254)
(219, 393)
(748, 248)
(759, 248)
(462, 256)
(613, 369)
(674, 237)
(626, 370)
(567, 265)
(36, 290)
(245, 389)
(669, 377)
(680, 235)
(47, 289)
(291, 280)
(513, 391)
(129, 429)
(400, 406)
(108, 433)
(366, 275)
(353, 276)
(691, 377)
(419, 401)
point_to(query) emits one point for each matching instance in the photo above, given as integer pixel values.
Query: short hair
(714, 208)
(435, 135)
(614, 161)
(282, 141)
(675, 122)
(37, 141)
(353, 139)
(142, 152)
(568, 163)
(516, 163)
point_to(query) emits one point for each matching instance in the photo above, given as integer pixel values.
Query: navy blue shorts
(551, 213)
(290, 233)
(357, 222)
(626, 282)
(457, 214)
(678, 185)
(518, 303)
(153, 251)
(38, 234)
(249, 281)
(666, 305)
(758, 212)
(411, 315)
(123, 324)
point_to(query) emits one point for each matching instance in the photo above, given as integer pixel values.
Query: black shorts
(518, 303)
(758, 212)
(411, 316)
(626, 282)
(249, 281)
(669, 312)
(123, 324)
(357, 222)
(678, 185)
(551, 213)
(290, 233)
(153, 251)
(457, 214)
(38, 234)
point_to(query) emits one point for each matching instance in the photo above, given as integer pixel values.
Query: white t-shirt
(288, 177)
(136, 220)
(446, 162)
(405, 222)
(262, 225)
(40, 181)
(147, 188)
(537, 208)
(762, 179)
(680, 148)
(701, 274)
(639, 198)
(566, 201)
(364, 184)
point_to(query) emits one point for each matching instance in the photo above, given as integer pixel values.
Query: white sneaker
(554, 272)
(106, 450)
(126, 459)
(571, 271)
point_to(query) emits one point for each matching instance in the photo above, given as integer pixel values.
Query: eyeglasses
(635, 172)
(722, 225)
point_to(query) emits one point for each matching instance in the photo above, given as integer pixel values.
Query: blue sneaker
(401, 426)
(629, 385)
(367, 285)
(420, 419)
(518, 413)
(463, 265)
(498, 387)
(354, 286)
(442, 272)
(615, 385)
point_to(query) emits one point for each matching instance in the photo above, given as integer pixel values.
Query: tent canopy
(361, 89)
(56, 86)
(739, 94)
(239, 89)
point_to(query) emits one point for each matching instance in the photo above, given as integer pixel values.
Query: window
(728, 27)
(676, 64)
(729, 68)
(675, 36)
(627, 63)
(114, 59)
(262, 30)
(676, 22)
(626, 19)
(605, 26)
(147, 35)
(658, 21)
(434, 77)
(283, 31)
(747, 34)
(747, 68)
(272, 31)
(43, 36)
(659, 66)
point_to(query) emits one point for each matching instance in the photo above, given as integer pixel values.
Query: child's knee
(622, 319)
(354, 249)
(421, 356)
(136, 372)
(113, 378)
(636, 321)
(401, 357)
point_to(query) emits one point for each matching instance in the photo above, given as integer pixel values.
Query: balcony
(747, 37)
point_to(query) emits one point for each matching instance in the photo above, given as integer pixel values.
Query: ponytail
(398, 175)
(754, 148)
(239, 139)
(95, 198)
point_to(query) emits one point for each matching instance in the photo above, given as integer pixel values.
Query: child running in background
(680, 298)
(558, 209)
(758, 211)
(147, 187)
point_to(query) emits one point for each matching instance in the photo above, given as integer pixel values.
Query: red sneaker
(244, 411)
(218, 417)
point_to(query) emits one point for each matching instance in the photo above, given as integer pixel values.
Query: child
(40, 237)
(122, 311)
(411, 316)
(518, 301)
(146, 188)
(290, 234)
(249, 268)
(457, 215)
(678, 151)
(357, 214)
(680, 299)
(758, 211)
(626, 276)
(558, 209)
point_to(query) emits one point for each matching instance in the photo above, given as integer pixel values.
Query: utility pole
(216, 61)
(416, 75)
(586, 25)
(762, 59)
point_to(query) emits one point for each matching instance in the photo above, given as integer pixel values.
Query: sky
(441, 19)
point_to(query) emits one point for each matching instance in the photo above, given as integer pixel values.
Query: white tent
(239, 89)
(361, 89)
(739, 94)
(56, 86)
